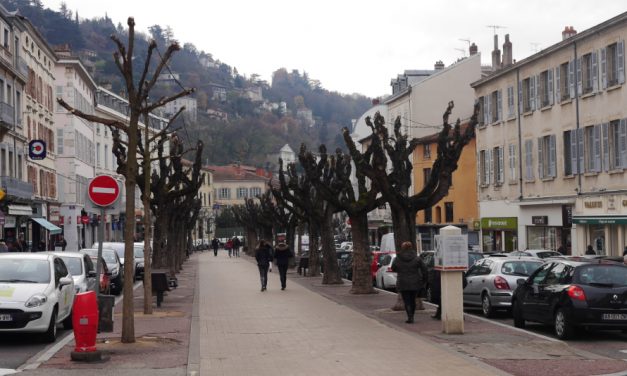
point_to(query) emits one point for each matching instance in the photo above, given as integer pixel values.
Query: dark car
(429, 259)
(114, 265)
(573, 293)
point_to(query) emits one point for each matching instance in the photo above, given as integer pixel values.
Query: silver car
(81, 268)
(492, 281)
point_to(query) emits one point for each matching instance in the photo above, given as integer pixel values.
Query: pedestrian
(229, 246)
(236, 244)
(263, 255)
(590, 251)
(3, 246)
(561, 249)
(411, 272)
(215, 244)
(282, 256)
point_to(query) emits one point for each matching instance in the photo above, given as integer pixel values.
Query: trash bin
(106, 305)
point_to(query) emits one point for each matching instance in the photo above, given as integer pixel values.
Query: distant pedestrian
(229, 246)
(411, 272)
(263, 255)
(215, 244)
(561, 249)
(236, 245)
(282, 256)
(590, 251)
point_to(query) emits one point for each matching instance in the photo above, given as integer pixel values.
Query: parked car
(491, 281)
(385, 277)
(82, 269)
(429, 259)
(377, 257)
(105, 275)
(113, 264)
(538, 253)
(570, 294)
(36, 293)
(138, 255)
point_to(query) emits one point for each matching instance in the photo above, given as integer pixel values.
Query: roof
(434, 137)
(287, 148)
(239, 172)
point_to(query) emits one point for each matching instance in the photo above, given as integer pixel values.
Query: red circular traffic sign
(103, 190)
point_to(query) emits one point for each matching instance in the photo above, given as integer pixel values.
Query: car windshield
(602, 275)
(24, 271)
(107, 254)
(473, 257)
(138, 252)
(548, 254)
(74, 265)
(521, 268)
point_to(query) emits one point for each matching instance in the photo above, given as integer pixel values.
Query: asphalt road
(17, 348)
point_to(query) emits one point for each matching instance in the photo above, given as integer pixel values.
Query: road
(17, 348)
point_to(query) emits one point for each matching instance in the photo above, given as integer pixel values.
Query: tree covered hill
(234, 125)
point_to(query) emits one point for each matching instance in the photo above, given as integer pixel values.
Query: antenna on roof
(463, 51)
(465, 40)
(494, 27)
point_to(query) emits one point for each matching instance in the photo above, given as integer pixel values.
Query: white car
(36, 293)
(81, 268)
(385, 277)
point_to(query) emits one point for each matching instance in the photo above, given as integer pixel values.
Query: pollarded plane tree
(332, 177)
(282, 218)
(140, 105)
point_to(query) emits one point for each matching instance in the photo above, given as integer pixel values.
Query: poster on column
(451, 252)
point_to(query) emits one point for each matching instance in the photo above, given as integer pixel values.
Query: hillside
(239, 118)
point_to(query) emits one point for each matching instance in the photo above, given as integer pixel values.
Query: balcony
(7, 117)
(16, 188)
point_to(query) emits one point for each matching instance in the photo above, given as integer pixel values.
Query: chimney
(496, 54)
(568, 32)
(507, 52)
(473, 49)
(439, 65)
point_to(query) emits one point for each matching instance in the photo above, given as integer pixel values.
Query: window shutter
(550, 83)
(552, 156)
(512, 162)
(510, 101)
(540, 158)
(533, 80)
(603, 68)
(597, 148)
(520, 98)
(579, 77)
(580, 155)
(490, 167)
(571, 78)
(595, 72)
(606, 148)
(489, 109)
(529, 159)
(499, 105)
(620, 61)
(622, 142)
(573, 152)
(479, 169)
(501, 173)
(486, 109)
(558, 89)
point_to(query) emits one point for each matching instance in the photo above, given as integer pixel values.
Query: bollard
(85, 323)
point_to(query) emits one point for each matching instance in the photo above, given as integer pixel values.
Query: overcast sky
(353, 46)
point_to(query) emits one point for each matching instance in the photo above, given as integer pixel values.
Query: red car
(105, 276)
(376, 261)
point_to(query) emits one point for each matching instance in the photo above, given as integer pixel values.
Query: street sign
(37, 150)
(103, 190)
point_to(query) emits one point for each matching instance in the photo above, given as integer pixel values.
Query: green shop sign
(499, 223)
(599, 220)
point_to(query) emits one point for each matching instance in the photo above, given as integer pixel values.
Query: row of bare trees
(356, 183)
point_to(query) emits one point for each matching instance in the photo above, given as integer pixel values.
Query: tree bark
(362, 277)
(314, 252)
(331, 269)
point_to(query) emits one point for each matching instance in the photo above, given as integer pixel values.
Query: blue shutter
(622, 143)
(603, 68)
(552, 156)
(499, 105)
(501, 172)
(489, 109)
(550, 83)
(571, 78)
(579, 77)
(532, 92)
(620, 61)
(540, 158)
(520, 98)
(558, 89)
(597, 148)
(606, 148)
(490, 167)
(595, 72)
(573, 152)
(486, 110)
(580, 156)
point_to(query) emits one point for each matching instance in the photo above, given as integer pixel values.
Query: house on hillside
(233, 184)
(285, 153)
(191, 108)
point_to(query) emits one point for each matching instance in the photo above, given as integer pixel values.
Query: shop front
(499, 234)
(547, 226)
(601, 222)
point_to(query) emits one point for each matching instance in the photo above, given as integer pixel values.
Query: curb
(193, 356)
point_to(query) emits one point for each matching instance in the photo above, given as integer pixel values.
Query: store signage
(593, 204)
(37, 150)
(499, 223)
(540, 220)
(610, 220)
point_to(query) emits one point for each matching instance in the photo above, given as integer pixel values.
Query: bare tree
(140, 105)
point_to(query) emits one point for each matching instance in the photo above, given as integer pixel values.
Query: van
(387, 243)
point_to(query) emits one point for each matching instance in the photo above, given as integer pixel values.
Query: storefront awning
(48, 226)
(600, 220)
(20, 210)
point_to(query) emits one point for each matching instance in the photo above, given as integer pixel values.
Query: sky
(353, 46)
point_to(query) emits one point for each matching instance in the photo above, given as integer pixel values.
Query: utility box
(106, 305)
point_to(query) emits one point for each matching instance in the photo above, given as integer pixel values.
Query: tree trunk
(404, 231)
(314, 253)
(362, 277)
(251, 240)
(147, 255)
(331, 268)
(160, 255)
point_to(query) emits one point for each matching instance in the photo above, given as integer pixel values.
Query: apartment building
(235, 183)
(552, 149)
(204, 228)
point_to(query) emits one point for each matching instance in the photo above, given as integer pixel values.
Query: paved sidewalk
(243, 331)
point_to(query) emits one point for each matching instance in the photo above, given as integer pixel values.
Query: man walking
(215, 244)
(236, 245)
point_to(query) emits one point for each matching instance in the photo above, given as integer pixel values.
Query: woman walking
(411, 272)
(282, 257)
(263, 255)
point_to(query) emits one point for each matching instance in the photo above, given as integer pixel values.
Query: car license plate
(6, 318)
(615, 316)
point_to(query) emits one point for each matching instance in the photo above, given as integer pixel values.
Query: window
(613, 64)
(255, 191)
(427, 151)
(496, 106)
(564, 81)
(106, 160)
(592, 143)
(18, 106)
(448, 212)
(98, 154)
(19, 167)
(512, 162)
(546, 157)
(556, 274)
(482, 111)
(587, 73)
(529, 160)
(497, 156)
(242, 192)
(426, 175)
(60, 141)
(485, 157)
(510, 102)
(617, 142)
(5, 40)
(224, 193)
(546, 88)
(11, 171)
(538, 277)
(527, 94)
(428, 215)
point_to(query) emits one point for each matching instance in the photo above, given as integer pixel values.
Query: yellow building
(459, 208)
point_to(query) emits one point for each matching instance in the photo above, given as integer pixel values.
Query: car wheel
(563, 328)
(519, 321)
(51, 334)
(67, 323)
(486, 306)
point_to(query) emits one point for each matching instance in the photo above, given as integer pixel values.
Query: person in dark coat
(282, 256)
(590, 250)
(236, 244)
(215, 244)
(263, 255)
(411, 272)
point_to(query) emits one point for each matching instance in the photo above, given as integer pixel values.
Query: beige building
(552, 149)
(233, 184)
(204, 228)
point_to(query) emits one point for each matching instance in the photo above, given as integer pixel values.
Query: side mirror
(91, 274)
(64, 281)
(521, 281)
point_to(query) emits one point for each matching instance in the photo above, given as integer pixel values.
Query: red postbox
(85, 321)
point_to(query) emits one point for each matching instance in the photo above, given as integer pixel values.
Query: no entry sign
(103, 190)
